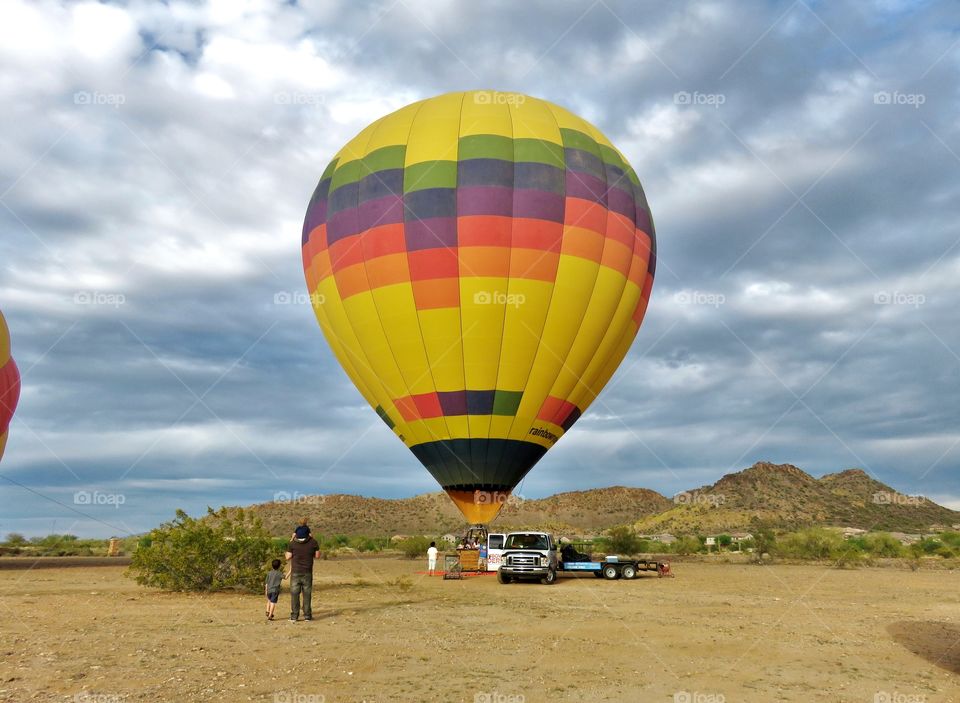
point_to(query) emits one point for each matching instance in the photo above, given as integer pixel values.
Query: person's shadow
(937, 642)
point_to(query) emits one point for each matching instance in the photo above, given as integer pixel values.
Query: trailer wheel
(550, 578)
(502, 577)
(610, 572)
(629, 571)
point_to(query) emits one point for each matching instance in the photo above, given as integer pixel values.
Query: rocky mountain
(785, 497)
(779, 495)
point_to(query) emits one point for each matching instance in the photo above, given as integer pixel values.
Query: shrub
(818, 543)
(928, 545)
(687, 544)
(369, 544)
(951, 539)
(414, 547)
(623, 540)
(883, 544)
(228, 549)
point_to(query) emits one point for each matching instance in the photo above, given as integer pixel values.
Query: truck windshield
(523, 541)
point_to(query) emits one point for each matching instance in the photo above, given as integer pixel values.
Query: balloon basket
(451, 567)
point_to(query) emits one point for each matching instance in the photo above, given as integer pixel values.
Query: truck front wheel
(550, 578)
(502, 577)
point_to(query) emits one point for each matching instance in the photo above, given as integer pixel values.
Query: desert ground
(383, 632)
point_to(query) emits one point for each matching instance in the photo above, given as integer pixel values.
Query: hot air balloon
(9, 384)
(480, 263)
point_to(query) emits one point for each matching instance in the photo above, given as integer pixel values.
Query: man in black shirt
(301, 552)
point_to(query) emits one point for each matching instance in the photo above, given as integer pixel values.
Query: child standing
(432, 558)
(274, 578)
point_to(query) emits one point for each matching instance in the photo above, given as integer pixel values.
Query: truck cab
(528, 556)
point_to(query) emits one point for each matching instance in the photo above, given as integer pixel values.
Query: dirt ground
(715, 634)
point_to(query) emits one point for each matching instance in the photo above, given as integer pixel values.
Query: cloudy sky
(802, 161)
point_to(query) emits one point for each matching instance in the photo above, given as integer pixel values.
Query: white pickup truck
(528, 556)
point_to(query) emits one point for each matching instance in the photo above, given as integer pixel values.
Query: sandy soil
(715, 633)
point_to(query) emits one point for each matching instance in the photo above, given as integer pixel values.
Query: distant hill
(780, 495)
(434, 513)
(783, 496)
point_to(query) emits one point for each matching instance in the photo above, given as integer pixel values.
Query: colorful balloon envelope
(480, 263)
(9, 384)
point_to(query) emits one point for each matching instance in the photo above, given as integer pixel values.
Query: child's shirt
(432, 553)
(274, 579)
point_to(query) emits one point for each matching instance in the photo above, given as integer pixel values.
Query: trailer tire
(550, 578)
(611, 572)
(628, 571)
(503, 578)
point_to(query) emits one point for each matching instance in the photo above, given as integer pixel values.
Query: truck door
(494, 550)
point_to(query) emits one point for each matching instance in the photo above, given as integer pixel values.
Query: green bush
(227, 550)
(818, 543)
(688, 544)
(926, 546)
(951, 539)
(882, 544)
(414, 547)
(623, 540)
(56, 546)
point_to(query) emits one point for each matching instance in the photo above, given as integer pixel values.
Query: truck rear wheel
(628, 571)
(550, 578)
(610, 572)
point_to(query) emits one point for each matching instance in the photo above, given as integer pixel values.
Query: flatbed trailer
(610, 568)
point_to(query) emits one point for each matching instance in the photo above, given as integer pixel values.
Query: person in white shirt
(432, 558)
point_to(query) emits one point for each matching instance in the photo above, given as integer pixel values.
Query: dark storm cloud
(800, 160)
